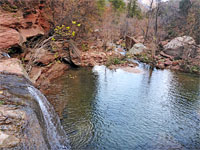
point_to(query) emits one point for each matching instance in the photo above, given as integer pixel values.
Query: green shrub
(114, 61)
(66, 31)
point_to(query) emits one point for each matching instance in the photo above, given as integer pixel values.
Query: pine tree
(118, 5)
(184, 7)
(133, 9)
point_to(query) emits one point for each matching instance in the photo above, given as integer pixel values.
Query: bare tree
(149, 16)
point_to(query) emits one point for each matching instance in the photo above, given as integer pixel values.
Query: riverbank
(118, 56)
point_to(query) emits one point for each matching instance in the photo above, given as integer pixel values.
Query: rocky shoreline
(179, 54)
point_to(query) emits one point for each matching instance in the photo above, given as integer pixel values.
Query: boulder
(55, 70)
(180, 41)
(137, 49)
(12, 66)
(130, 41)
(160, 65)
(9, 37)
(168, 62)
(43, 56)
(8, 19)
(35, 73)
(181, 48)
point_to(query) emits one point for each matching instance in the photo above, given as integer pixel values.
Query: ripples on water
(104, 109)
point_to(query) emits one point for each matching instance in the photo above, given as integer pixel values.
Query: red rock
(168, 63)
(47, 59)
(177, 67)
(55, 71)
(84, 57)
(13, 66)
(28, 57)
(8, 37)
(44, 57)
(31, 32)
(35, 73)
(10, 19)
(156, 57)
(174, 63)
(160, 65)
(92, 63)
(26, 26)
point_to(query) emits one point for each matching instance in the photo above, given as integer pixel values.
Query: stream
(117, 110)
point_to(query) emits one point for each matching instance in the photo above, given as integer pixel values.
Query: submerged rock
(131, 69)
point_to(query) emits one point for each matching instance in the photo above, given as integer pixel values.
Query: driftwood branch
(75, 49)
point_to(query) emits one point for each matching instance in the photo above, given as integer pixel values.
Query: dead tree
(149, 15)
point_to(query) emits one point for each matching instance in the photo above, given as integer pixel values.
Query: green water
(117, 110)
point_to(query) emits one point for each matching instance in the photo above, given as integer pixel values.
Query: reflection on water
(78, 91)
(119, 110)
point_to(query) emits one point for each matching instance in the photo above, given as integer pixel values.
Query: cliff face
(19, 22)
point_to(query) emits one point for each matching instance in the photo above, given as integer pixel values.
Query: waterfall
(55, 133)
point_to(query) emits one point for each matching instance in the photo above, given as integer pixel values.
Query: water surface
(117, 110)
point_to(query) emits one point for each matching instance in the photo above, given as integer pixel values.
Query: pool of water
(117, 110)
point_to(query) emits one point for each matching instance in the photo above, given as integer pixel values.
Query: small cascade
(5, 55)
(55, 133)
